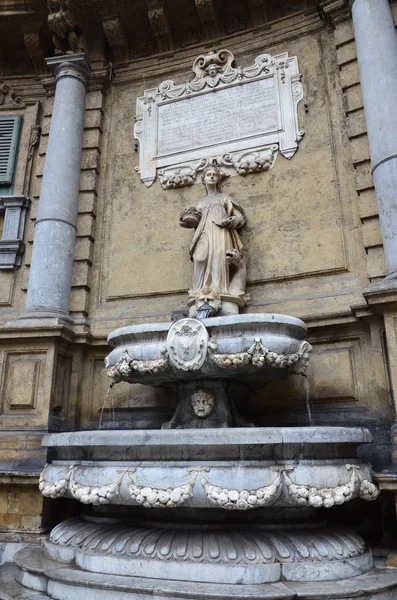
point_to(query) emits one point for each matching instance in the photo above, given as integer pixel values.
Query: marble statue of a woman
(219, 272)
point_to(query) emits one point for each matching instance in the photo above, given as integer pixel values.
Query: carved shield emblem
(187, 343)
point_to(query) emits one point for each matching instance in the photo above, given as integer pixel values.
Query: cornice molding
(334, 11)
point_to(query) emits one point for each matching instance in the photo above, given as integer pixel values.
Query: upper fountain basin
(265, 346)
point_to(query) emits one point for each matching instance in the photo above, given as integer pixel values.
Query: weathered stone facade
(313, 238)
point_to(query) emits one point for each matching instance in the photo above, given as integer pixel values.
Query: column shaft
(55, 231)
(376, 42)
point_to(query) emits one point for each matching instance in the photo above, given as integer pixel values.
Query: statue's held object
(219, 271)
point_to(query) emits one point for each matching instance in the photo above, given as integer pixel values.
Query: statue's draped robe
(211, 242)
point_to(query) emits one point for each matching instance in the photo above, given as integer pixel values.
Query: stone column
(376, 42)
(51, 269)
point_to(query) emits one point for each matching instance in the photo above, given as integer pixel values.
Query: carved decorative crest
(187, 344)
(234, 117)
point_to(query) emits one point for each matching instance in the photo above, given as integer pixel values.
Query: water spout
(111, 408)
(309, 406)
(205, 311)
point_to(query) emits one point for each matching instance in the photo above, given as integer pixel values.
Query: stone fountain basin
(228, 336)
(236, 469)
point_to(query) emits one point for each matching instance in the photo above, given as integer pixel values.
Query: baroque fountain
(209, 506)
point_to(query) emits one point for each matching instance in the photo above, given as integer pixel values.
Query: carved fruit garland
(161, 498)
(259, 355)
(54, 489)
(103, 494)
(126, 365)
(241, 500)
(307, 495)
(228, 499)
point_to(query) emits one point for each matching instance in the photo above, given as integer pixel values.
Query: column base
(39, 318)
(382, 295)
(392, 276)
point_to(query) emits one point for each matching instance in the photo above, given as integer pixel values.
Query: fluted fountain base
(245, 554)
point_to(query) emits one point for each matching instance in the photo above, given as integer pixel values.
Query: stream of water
(111, 413)
(309, 406)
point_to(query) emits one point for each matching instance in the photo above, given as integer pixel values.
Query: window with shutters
(13, 209)
(9, 138)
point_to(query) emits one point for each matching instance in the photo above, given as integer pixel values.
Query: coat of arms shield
(187, 344)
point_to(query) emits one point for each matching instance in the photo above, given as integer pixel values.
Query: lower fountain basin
(228, 506)
(238, 469)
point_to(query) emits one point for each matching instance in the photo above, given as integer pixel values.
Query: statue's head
(53, 5)
(212, 175)
(203, 403)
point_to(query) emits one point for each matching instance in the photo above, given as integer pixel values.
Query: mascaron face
(212, 70)
(202, 403)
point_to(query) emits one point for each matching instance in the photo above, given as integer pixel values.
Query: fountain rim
(239, 436)
(225, 321)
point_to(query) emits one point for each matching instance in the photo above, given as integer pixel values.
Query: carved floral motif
(214, 68)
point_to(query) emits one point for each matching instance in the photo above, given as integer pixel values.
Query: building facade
(86, 247)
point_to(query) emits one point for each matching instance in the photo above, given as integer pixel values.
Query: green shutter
(9, 137)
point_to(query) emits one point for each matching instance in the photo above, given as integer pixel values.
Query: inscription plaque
(238, 112)
(236, 118)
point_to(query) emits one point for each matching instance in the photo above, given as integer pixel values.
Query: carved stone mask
(212, 70)
(203, 403)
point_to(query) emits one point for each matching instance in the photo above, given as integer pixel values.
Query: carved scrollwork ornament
(7, 93)
(34, 140)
